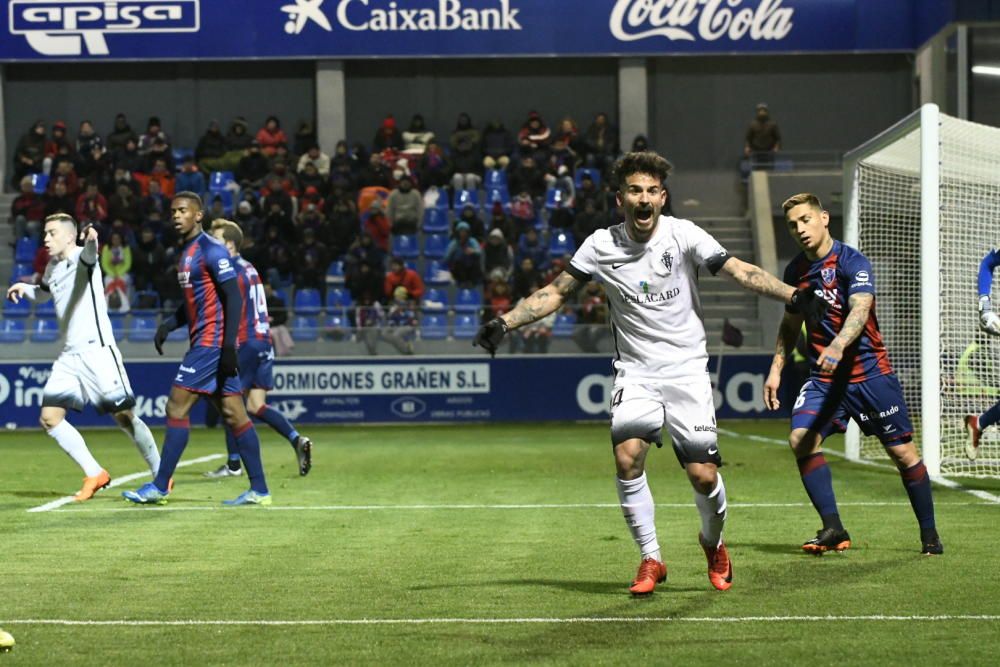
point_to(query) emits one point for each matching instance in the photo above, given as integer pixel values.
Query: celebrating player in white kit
(649, 265)
(89, 368)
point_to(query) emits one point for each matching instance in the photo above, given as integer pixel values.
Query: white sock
(637, 506)
(72, 443)
(145, 443)
(713, 512)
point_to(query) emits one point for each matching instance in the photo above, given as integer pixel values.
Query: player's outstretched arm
(989, 321)
(752, 277)
(19, 291)
(788, 332)
(858, 307)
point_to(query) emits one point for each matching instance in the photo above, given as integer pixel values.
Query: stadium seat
(146, 302)
(465, 198)
(142, 328)
(436, 274)
(12, 331)
(434, 326)
(406, 246)
(436, 199)
(227, 197)
(595, 176)
(45, 330)
(436, 220)
(468, 301)
(564, 326)
(118, 325)
(495, 178)
(180, 154)
(338, 300)
(466, 325)
(435, 245)
(307, 301)
(219, 180)
(20, 270)
(24, 250)
(435, 300)
(498, 196)
(335, 274)
(305, 328)
(561, 244)
(39, 183)
(554, 199)
(45, 308)
(336, 325)
(20, 309)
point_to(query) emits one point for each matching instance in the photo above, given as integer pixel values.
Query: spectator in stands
(252, 167)
(588, 191)
(399, 275)
(29, 154)
(375, 223)
(466, 155)
(592, 320)
(343, 168)
(309, 177)
(522, 213)
(305, 137)
(387, 136)
(27, 212)
(212, 144)
(65, 172)
(365, 251)
(562, 155)
(95, 165)
(159, 151)
(150, 268)
(123, 177)
(535, 337)
(58, 140)
(405, 208)
(120, 135)
(342, 227)
(569, 134)
(497, 254)
(124, 205)
(154, 131)
(155, 200)
(763, 138)
(189, 178)
(249, 222)
(462, 257)
(375, 173)
(128, 157)
(160, 173)
(640, 144)
(116, 264)
(87, 139)
(311, 214)
(277, 312)
(561, 217)
(397, 325)
(91, 206)
(498, 298)
(317, 158)
(507, 225)
(600, 142)
(311, 260)
(278, 263)
(364, 282)
(59, 200)
(534, 138)
(587, 221)
(270, 136)
(531, 245)
(498, 145)
(528, 177)
(416, 137)
(434, 169)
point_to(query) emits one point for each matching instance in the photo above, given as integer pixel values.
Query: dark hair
(644, 162)
(193, 196)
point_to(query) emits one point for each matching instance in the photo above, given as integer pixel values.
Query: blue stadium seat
(146, 302)
(465, 198)
(406, 246)
(595, 176)
(24, 250)
(180, 154)
(337, 323)
(20, 270)
(45, 308)
(335, 274)
(466, 325)
(178, 335)
(436, 220)
(436, 274)
(142, 328)
(468, 300)
(45, 330)
(12, 331)
(118, 325)
(554, 199)
(218, 180)
(439, 204)
(495, 178)
(338, 300)
(227, 197)
(39, 183)
(435, 245)
(15, 310)
(435, 300)
(307, 301)
(434, 326)
(564, 326)
(305, 328)
(561, 244)
(498, 195)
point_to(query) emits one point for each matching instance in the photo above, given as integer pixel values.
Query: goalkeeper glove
(988, 320)
(806, 302)
(228, 362)
(490, 335)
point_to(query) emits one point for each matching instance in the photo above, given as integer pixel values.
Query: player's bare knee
(49, 420)
(254, 404)
(905, 455)
(803, 442)
(702, 476)
(124, 418)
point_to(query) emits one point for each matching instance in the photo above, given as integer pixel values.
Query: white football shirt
(77, 289)
(652, 289)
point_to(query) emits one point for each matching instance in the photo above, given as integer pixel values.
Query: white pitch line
(937, 479)
(118, 481)
(514, 621)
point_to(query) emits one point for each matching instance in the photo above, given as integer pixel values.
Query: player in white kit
(89, 368)
(649, 265)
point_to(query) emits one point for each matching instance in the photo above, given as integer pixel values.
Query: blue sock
(178, 431)
(990, 417)
(249, 447)
(917, 483)
(277, 421)
(232, 450)
(818, 480)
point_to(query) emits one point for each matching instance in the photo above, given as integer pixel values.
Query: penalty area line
(510, 621)
(119, 481)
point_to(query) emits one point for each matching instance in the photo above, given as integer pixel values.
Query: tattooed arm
(788, 334)
(543, 302)
(756, 279)
(859, 306)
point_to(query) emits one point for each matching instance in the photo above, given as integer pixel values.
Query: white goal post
(922, 202)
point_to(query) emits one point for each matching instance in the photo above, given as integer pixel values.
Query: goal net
(923, 204)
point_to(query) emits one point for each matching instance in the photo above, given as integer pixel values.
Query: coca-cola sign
(708, 20)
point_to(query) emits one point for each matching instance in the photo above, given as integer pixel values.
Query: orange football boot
(720, 568)
(651, 572)
(92, 485)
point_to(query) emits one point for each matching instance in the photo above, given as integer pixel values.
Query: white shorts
(684, 406)
(95, 375)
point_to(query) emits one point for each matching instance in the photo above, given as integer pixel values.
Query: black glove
(162, 332)
(806, 302)
(81, 238)
(228, 362)
(490, 335)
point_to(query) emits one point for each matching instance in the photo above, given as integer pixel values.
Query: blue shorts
(877, 405)
(199, 372)
(256, 366)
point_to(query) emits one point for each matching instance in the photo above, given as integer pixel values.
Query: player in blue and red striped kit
(256, 357)
(212, 308)
(989, 322)
(851, 375)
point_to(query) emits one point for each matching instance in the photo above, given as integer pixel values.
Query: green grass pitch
(483, 544)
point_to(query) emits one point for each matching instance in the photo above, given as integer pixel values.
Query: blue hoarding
(238, 29)
(432, 389)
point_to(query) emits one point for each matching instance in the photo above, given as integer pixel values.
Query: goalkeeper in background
(990, 323)
(851, 375)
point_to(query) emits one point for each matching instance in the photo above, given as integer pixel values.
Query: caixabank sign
(235, 29)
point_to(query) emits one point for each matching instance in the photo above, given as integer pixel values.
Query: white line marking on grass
(118, 481)
(943, 481)
(513, 621)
